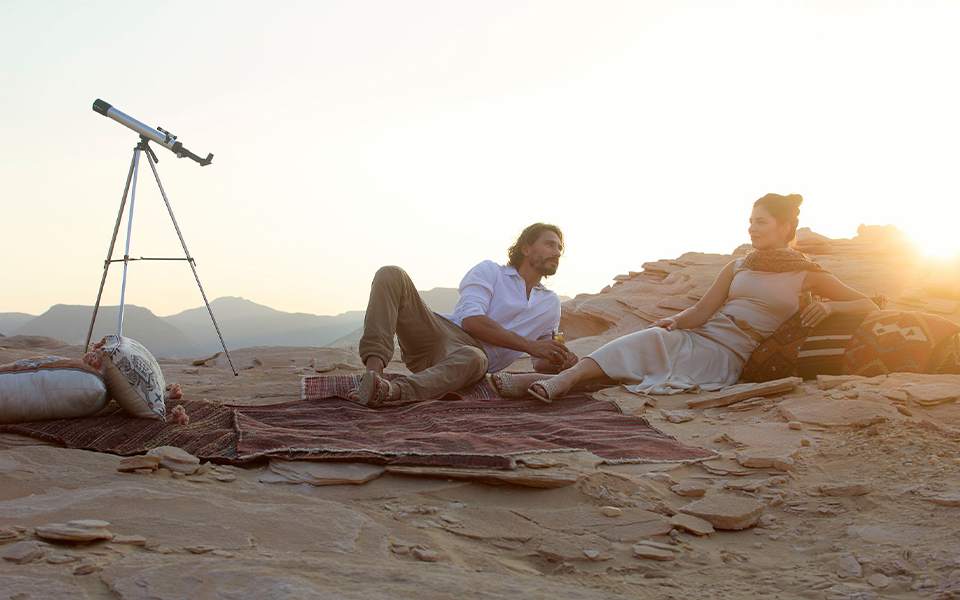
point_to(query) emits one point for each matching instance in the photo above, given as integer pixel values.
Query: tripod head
(158, 135)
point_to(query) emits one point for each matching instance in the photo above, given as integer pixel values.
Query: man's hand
(550, 350)
(542, 365)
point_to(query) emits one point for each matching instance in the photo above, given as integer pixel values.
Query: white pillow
(51, 387)
(133, 377)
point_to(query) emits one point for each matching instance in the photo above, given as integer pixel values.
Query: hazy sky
(350, 134)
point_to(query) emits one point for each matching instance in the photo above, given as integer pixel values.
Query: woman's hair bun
(795, 199)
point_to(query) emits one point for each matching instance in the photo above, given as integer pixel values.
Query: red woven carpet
(473, 433)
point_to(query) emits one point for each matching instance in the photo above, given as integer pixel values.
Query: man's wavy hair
(529, 236)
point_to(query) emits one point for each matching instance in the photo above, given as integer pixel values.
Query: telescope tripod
(144, 147)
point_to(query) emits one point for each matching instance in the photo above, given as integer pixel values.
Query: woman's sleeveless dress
(711, 356)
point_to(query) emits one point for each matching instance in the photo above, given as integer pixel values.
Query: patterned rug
(461, 433)
(338, 386)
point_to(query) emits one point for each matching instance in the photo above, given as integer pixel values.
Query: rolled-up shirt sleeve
(476, 291)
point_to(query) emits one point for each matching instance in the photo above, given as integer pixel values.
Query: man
(503, 311)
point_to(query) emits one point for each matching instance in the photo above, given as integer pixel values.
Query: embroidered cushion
(52, 387)
(877, 343)
(893, 341)
(134, 378)
(776, 356)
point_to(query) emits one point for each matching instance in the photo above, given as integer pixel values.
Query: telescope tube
(166, 140)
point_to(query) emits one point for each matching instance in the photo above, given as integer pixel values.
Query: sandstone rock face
(725, 511)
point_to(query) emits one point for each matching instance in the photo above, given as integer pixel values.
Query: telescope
(168, 141)
(158, 135)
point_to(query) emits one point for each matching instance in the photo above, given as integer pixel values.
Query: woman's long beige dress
(712, 356)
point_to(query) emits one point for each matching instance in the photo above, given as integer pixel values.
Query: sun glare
(941, 244)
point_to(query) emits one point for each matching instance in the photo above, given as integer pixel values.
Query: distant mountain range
(191, 334)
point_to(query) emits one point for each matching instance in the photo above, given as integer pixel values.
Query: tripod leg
(191, 262)
(113, 241)
(126, 252)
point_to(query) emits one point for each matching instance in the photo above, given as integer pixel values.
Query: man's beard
(546, 267)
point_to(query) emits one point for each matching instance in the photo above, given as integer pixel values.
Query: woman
(706, 346)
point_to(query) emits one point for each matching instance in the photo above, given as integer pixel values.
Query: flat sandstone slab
(838, 412)
(725, 511)
(743, 391)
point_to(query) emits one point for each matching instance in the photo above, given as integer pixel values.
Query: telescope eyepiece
(101, 107)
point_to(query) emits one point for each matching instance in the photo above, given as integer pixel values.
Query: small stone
(795, 425)
(58, 532)
(656, 545)
(873, 430)
(87, 569)
(88, 524)
(225, 477)
(204, 469)
(132, 464)
(401, 549)
(854, 488)
(847, 566)
(8, 534)
(951, 499)
(175, 459)
(725, 511)
(783, 463)
(689, 489)
(805, 442)
(199, 549)
(879, 580)
(426, 555)
(60, 559)
(223, 554)
(928, 394)
(644, 551)
(611, 511)
(450, 520)
(591, 554)
(23, 552)
(694, 525)
(178, 475)
(132, 540)
(677, 416)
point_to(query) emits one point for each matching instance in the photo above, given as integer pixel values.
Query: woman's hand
(669, 324)
(815, 313)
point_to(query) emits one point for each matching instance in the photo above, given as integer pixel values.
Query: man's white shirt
(500, 293)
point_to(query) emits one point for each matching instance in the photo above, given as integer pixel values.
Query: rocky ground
(840, 487)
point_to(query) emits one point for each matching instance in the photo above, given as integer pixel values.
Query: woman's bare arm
(843, 299)
(700, 313)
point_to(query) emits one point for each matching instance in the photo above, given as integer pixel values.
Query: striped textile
(460, 433)
(338, 386)
(821, 353)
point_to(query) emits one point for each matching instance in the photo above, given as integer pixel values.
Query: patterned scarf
(781, 260)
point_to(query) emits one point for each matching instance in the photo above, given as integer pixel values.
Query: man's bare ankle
(375, 364)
